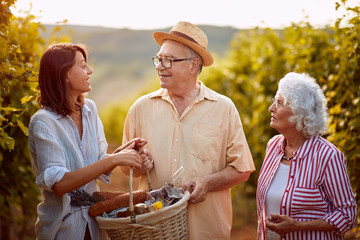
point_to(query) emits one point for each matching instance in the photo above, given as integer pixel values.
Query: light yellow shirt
(205, 139)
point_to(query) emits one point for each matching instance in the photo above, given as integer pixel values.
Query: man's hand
(223, 179)
(147, 161)
(198, 188)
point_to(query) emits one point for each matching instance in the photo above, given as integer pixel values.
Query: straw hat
(189, 35)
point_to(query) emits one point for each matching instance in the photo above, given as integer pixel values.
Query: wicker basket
(167, 223)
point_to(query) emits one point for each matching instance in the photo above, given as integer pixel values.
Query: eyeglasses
(167, 63)
(278, 104)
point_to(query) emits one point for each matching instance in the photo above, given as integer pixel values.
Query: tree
(20, 49)
(343, 92)
(18, 192)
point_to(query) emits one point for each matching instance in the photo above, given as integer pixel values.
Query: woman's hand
(128, 157)
(281, 224)
(138, 144)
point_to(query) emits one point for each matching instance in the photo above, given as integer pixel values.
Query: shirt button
(174, 159)
(177, 140)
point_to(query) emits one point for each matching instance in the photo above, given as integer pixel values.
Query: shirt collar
(205, 93)
(281, 145)
(302, 151)
(85, 111)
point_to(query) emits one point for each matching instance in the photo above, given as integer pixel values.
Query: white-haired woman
(303, 188)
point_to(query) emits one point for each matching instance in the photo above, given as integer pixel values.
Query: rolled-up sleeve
(50, 176)
(338, 188)
(49, 166)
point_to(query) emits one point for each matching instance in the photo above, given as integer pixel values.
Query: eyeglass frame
(170, 61)
(277, 104)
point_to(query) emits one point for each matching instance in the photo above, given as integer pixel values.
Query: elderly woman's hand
(281, 224)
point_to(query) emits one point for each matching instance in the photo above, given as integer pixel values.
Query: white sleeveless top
(276, 189)
(274, 195)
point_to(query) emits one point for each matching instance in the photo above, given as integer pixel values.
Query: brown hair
(54, 66)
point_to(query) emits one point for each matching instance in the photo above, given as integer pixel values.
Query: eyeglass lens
(166, 63)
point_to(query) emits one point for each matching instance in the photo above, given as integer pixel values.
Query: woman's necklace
(287, 159)
(290, 149)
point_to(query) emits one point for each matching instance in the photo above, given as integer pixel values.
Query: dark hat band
(183, 36)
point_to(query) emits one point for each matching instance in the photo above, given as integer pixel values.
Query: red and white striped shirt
(318, 187)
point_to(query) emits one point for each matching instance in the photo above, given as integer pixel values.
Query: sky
(150, 14)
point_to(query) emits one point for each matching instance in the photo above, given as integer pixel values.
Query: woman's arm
(75, 179)
(283, 224)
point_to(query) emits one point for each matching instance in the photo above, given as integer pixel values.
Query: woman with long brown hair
(68, 146)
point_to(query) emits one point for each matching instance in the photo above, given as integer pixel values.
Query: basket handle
(148, 180)
(131, 196)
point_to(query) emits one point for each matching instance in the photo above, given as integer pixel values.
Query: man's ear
(195, 65)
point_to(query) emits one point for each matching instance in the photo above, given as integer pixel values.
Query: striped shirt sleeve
(337, 186)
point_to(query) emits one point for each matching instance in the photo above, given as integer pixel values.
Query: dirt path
(246, 232)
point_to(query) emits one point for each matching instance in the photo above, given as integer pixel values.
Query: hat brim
(206, 56)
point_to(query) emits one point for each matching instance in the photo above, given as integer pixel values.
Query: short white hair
(307, 102)
(194, 54)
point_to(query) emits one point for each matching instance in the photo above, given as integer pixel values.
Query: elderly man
(190, 126)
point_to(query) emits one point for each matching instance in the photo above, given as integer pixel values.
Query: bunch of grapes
(81, 198)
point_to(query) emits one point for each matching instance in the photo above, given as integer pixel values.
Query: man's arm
(223, 179)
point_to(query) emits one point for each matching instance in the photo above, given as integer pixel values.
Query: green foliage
(113, 119)
(113, 116)
(20, 50)
(343, 93)
(249, 75)
(17, 104)
(18, 193)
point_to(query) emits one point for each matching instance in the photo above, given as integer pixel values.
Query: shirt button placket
(175, 154)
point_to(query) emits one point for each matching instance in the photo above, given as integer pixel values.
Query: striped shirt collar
(302, 151)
